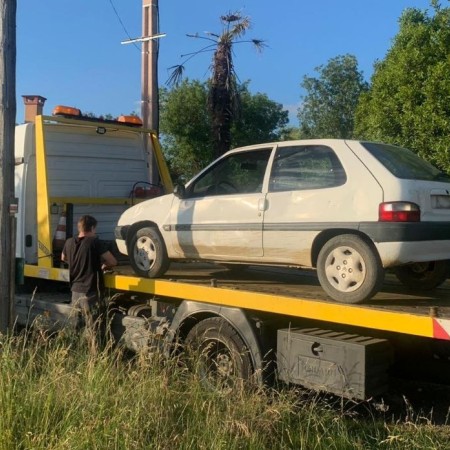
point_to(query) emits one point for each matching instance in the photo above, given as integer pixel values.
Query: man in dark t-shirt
(87, 257)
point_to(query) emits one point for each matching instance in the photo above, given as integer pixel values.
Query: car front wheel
(423, 276)
(349, 270)
(148, 254)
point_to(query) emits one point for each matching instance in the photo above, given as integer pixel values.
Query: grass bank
(57, 394)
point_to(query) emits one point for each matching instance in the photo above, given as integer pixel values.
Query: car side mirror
(179, 191)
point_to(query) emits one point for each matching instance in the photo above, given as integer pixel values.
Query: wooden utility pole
(7, 125)
(149, 77)
(150, 113)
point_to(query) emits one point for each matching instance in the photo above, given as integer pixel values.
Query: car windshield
(404, 163)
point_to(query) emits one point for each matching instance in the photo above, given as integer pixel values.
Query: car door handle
(262, 204)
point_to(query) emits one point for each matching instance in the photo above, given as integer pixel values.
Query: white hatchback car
(348, 208)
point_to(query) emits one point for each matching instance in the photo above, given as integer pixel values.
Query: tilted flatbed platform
(297, 293)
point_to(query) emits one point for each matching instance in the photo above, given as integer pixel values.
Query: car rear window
(302, 167)
(404, 163)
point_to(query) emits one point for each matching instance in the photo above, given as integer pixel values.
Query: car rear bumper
(406, 242)
(406, 231)
(397, 253)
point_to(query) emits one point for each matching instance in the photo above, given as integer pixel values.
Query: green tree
(328, 108)
(186, 125)
(223, 98)
(260, 119)
(186, 128)
(409, 100)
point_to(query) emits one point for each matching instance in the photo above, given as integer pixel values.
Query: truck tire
(423, 276)
(349, 270)
(220, 355)
(148, 253)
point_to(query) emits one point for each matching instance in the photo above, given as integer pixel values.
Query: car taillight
(399, 212)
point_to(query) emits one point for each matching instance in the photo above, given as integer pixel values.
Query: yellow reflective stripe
(46, 273)
(162, 166)
(43, 211)
(96, 201)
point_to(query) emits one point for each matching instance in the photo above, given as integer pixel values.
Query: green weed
(56, 393)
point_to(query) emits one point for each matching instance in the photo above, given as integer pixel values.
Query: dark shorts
(90, 305)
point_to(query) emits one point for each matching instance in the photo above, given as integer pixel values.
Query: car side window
(305, 167)
(238, 173)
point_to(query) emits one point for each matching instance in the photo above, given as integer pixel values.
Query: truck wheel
(221, 356)
(423, 276)
(148, 254)
(349, 270)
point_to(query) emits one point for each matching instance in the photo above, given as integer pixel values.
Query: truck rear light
(399, 212)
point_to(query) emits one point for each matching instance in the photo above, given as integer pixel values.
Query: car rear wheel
(148, 254)
(349, 270)
(423, 276)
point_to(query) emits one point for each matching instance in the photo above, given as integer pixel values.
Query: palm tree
(223, 102)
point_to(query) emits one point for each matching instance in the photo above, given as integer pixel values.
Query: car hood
(156, 210)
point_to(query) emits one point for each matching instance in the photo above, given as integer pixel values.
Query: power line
(121, 23)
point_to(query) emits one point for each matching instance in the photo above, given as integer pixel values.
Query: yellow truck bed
(297, 293)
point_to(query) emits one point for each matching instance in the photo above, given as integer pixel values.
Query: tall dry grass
(56, 393)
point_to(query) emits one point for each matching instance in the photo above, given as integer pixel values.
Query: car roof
(326, 141)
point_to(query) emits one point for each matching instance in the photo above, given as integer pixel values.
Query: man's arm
(108, 260)
(63, 253)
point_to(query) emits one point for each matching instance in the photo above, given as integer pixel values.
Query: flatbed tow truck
(255, 322)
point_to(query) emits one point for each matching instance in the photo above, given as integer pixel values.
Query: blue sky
(71, 53)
